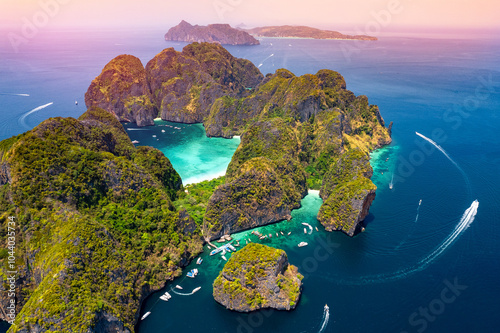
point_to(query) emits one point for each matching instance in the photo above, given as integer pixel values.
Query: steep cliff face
(122, 90)
(96, 230)
(264, 181)
(347, 192)
(213, 33)
(186, 84)
(257, 277)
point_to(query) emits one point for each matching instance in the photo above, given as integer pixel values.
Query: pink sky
(335, 14)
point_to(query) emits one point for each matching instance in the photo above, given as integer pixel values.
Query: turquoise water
(394, 277)
(195, 156)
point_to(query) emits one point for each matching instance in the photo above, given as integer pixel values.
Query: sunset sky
(341, 14)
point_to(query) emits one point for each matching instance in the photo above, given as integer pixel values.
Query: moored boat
(301, 244)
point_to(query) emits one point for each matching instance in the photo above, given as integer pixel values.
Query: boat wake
(466, 220)
(418, 210)
(412, 228)
(22, 119)
(326, 318)
(10, 94)
(447, 156)
(185, 294)
(262, 63)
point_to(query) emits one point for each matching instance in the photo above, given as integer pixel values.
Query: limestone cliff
(213, 33)
(186, 84)
(122, 90)
(257, 277)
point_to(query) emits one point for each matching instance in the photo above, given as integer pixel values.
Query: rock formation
(122, 90)
(257, 277)
(213, 33)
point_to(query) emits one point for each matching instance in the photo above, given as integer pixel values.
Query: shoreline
(291, 37)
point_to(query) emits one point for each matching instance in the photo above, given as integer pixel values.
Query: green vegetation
(258, 276)
(195, 199)
(95, 223)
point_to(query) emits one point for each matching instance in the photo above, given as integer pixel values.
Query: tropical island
(257, 277)
(213, 33)
(101, 224)
(293, 31)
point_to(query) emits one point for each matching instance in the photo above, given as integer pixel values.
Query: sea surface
(429, 260)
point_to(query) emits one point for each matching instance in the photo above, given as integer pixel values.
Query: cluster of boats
(166, 296)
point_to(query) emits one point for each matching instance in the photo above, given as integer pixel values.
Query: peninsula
(292, 31)
(212, 33)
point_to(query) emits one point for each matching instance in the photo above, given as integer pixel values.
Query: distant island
(212, 33)
(257, 277)
(290, 31)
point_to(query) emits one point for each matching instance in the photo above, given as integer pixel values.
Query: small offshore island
(213, 33)
(293, 31)
(257, 277)
(102, 224)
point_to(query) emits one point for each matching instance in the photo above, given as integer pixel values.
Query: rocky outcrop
(257, 277)
(186, 84)
(122, 90)
(303, 32)
(257, 196)
(213, 33)
(347, 193)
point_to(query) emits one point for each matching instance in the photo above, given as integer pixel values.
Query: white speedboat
(301, 244)
(145, 315)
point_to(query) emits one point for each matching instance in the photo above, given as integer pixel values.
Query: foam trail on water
(326, 318)
(466, 220)
(137, 129)
(412, 229)
(22, 119)
(418, 211)
(11, 94)
(182, 294)
(441, 150)
(272, 55)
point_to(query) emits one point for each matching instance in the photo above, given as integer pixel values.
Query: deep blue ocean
(426, 262)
